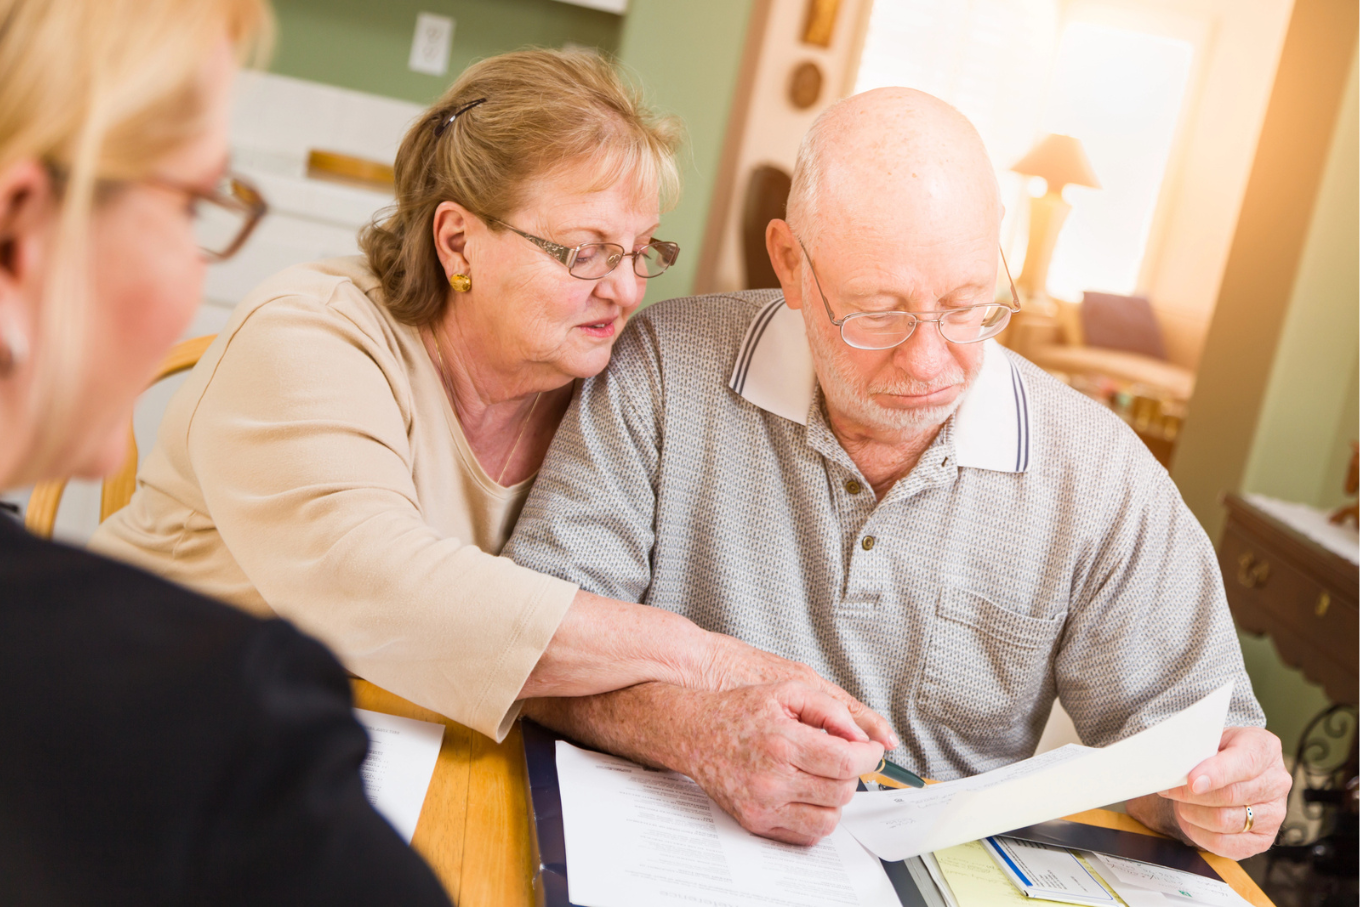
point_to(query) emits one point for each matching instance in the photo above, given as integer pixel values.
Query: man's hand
(603, 645)
(781, 758)
(731, 663)
(1209, 811)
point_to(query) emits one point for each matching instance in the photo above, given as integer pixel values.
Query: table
(474, 827)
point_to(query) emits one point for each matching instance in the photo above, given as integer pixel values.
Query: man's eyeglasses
(224, 217)
(885, 330)
(593, 260)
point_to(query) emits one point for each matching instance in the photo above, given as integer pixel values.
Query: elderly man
(851, 475)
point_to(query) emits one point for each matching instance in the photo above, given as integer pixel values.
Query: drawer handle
(1323, 603)
(1251, 572)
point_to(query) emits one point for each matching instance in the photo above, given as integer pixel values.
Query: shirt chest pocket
(985, 665)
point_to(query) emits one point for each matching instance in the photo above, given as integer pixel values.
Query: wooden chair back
(41, 516)
(767, 196)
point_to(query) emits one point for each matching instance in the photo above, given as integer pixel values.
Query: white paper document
(637, 836)
(399, 765)
(898, 824)
(1047, 873)
(1148, 885)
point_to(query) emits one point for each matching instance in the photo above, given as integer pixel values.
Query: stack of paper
(1001, 871)
(1049, 873)
(400, 762)
(1146, 885)
(638, 836)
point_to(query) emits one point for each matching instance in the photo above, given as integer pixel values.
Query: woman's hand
(604, 645)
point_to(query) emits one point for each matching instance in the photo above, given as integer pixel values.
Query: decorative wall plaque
(805, 85)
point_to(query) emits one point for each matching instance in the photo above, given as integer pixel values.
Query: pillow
(1121, 323)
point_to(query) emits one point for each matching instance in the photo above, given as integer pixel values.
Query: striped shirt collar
(991, 428)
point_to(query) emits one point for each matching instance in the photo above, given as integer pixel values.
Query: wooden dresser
(1303, 595)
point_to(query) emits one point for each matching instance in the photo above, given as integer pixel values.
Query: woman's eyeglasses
(224, 216)
(593, 260)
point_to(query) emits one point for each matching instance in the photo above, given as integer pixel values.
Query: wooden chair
(41, 515)
(767, 196)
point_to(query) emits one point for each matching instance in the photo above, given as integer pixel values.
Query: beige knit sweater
(312, 467)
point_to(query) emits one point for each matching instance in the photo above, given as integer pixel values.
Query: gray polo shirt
(1037, 549)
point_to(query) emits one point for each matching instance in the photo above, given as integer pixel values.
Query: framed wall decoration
(819, 25)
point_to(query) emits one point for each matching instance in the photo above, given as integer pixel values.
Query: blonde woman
(355, 447)
(159, 748)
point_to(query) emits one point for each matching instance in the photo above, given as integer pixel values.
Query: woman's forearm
(603, 645)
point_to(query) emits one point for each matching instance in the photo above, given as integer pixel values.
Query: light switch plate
(430, 47)
(610, 6)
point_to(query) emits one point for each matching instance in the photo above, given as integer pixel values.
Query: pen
(892, 775)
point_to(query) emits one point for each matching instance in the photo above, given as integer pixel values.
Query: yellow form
(975, 879)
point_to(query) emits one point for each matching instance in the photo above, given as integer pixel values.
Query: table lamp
(1060, 160)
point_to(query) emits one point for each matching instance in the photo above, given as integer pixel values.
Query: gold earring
(13, 351)
(461, 283)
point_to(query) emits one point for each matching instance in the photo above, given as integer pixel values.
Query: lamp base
(1046, 216)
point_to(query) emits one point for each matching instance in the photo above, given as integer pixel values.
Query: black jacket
(157, 747)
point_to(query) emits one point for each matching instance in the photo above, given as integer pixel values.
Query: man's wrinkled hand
(781, 758)
(733, 664)
(1210, 808)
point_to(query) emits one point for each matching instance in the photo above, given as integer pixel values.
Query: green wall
(365, 44)
(688, 56)
(1311, 409)
(685, 55)
(1309, 414)
(1286, 697)
(1261, 275)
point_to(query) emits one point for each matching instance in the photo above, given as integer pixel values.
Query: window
(1116, 80)
(989, 58)
(1120, 92)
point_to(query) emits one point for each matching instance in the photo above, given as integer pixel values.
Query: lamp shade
(1060, 160)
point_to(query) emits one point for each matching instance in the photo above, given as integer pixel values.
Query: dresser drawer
(1313, 624)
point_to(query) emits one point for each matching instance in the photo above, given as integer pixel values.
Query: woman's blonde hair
(544, 111)
(100, 91)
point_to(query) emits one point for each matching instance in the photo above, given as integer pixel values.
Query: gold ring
(1251, 820)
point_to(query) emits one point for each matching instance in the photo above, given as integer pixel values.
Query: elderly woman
(160, 748)
(355, 447)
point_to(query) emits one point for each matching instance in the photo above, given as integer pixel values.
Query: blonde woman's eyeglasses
(224, 216)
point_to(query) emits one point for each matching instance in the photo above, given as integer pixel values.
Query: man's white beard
(858, 406)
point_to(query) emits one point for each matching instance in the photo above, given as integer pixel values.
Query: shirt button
(853, 487)
(868, 543)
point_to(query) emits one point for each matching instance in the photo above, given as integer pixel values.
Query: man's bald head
(896, 204)
(890, 155)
